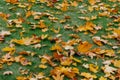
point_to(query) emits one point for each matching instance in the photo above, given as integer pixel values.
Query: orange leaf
(84, 47)
(57, 47)
(12, 1)
(92, 2)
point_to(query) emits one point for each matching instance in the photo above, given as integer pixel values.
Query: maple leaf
(118, 74)
(9, 49)
(64, 5)
(42, 66)
(57, 56)
(41, 24)
(108, 70)
(102, 78)
(89, 26)
(58, 77)
(74, 3)
(88, 75)
(22, 78)
(68, 71)
(27, 40)
(84, 47)
(56, 31)
(93, 68)
(12, 1)
(4, 16)
(56, 47)
(97, 41)
(48, 58)
(65, 61)
(29, 13)
(92, 2)
(116, 63)
(22, 60)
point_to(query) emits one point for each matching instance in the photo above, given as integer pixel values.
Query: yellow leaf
(64, 5)
(74, 3)
(44, 36)
(65, 61)
(31, 1)
(93, 68)
(42, 66)
(12, 1)
(89, 26)
(88, 75)
(97, 40)
(117, 31)
(116, 63)
(57, 47)
(84, 47)
(28, 14)
(42, 1)
(56, 31)
(42, 24)
(109, 53)
(92, 2)
(8, 49)
(75, 59)
(102, 78)
(27, 40)
(58, 77)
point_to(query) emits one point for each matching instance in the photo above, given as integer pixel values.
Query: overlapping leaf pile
(60, 40)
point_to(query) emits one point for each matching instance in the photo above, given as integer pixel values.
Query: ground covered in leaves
(59, 39)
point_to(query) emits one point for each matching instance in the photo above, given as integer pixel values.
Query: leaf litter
(55, 35)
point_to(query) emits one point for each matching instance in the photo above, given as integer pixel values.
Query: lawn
(59, 39)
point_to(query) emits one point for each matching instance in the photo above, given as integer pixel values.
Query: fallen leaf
(9, 49)
(116, 63)
(88, 75)
(42, 66)
(56, 47)
(12, 1)
(102, 78)
(65, 61)
(93, 68)
(84, 47)
(92, 2)
(8, 73)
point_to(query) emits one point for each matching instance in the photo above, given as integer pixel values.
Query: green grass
(74, 13)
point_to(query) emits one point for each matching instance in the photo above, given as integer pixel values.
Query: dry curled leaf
(8, 73)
